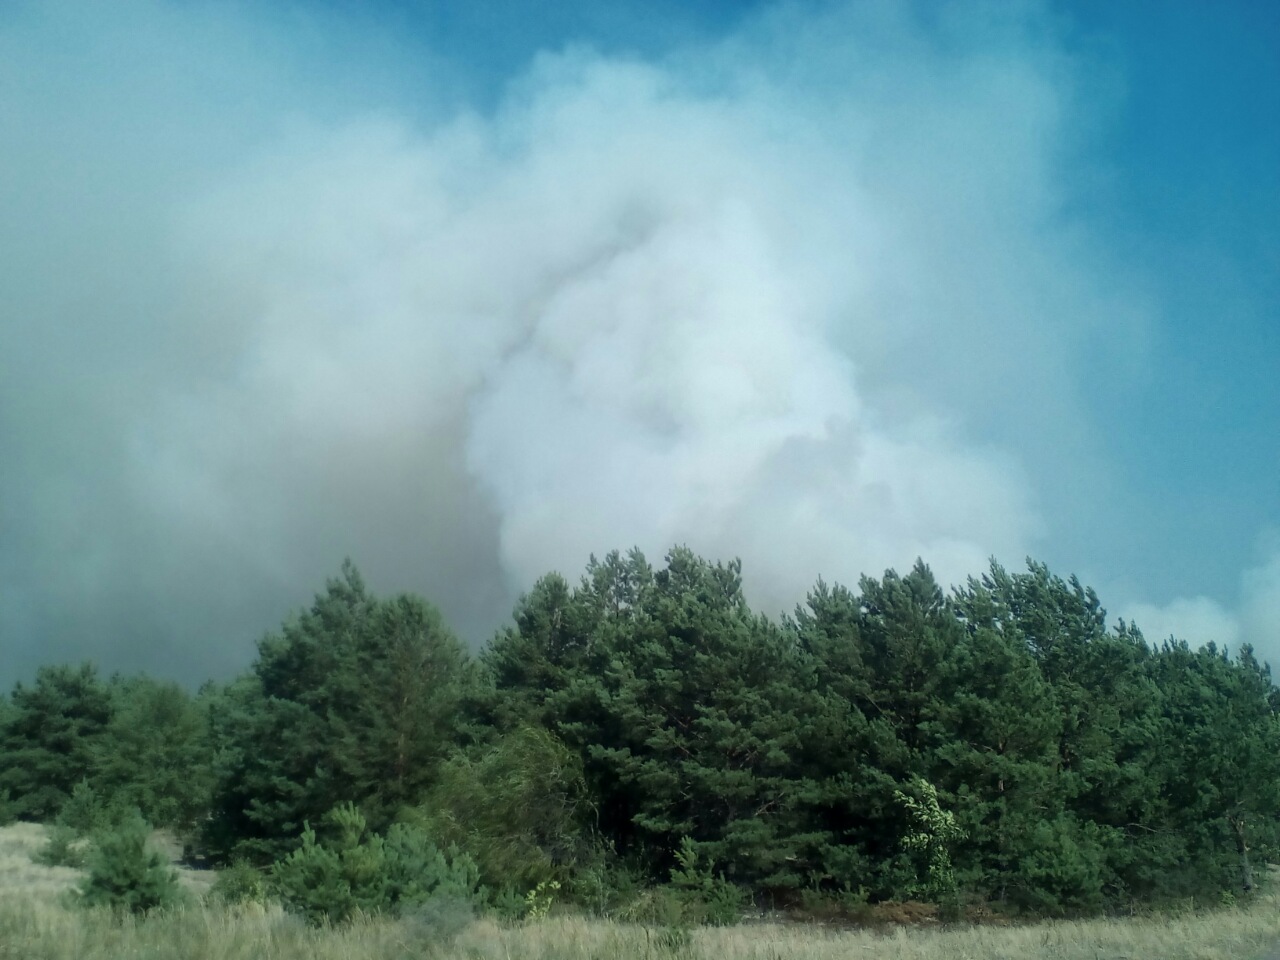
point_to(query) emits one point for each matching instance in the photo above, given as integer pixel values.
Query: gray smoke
(808, 295)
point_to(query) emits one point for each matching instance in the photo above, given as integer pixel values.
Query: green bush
(64, 848)
(506, 904)
(606, 887)
(241, 882)
(539, 901)
(84, 812)
(520, 808)
(367, 874)
(1063, 870)
(658, 906)
(126, 874)
(83, 816)
(705, 896)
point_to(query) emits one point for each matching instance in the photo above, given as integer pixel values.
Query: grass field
(38, 923)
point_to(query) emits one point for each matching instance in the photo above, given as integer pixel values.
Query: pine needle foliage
(360, 873)
(354, 701)
(128, 875)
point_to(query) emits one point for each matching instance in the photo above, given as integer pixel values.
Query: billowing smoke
(1253, 619)
(808, 295)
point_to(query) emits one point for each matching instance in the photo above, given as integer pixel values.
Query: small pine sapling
(127, 874)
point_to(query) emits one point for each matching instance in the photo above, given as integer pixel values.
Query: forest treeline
(644, 736)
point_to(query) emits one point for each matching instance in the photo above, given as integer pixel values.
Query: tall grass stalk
(36, 929)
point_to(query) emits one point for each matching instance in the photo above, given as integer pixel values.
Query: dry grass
(37, 924)
(19, 875)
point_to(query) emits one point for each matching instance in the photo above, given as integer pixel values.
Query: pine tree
(357, 871)
(49, 739)
(126, 874)
(703, 716)
(1109, 712)
(1220, 763)
(535, 661)
(518, 806)
(998, 747)
(154, 753)
(851, 758)
(354, 701)
(878, 658)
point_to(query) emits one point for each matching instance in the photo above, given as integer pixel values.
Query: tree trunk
(1246, 869)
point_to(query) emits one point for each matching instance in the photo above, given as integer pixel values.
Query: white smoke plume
(808, 295)
(1253, 617)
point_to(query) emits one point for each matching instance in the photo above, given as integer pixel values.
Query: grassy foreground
(37, 924)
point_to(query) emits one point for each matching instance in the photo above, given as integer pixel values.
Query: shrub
(934, 832)
(241, 882)
(126, 874)
(706, 897)
(360, 873)
(520, 808)
(84, 812)
(661, 906)
(82, 817)
(506, 904)
(64, 848)
(538, 901)
(605, 886)
(1063, 871)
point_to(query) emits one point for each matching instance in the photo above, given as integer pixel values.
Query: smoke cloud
(1253, 619)
(810, 295)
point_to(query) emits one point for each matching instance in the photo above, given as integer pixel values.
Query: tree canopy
(997, 743)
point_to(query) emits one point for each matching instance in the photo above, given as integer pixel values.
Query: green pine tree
(126, 874)
(154, 754)
(48, 742)
(356, 700)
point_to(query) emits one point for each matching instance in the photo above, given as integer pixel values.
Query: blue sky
(1196, 205)
(467, 292)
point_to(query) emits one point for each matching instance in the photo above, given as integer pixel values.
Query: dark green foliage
(1062, 868)
(154, 753)
(240, 882)
(1218, 764)
(126, 874)
(48, 742)
(606, 886)
(877, 664)
(1093, 789)
(519, 807)
(704, 895)
(782, 754)
(644, 744)
(355, 701)
(359, 872)
(536, 663)
(684, 704)
(84, 812)
(64, 848)
(83, 817)
(8, 809)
